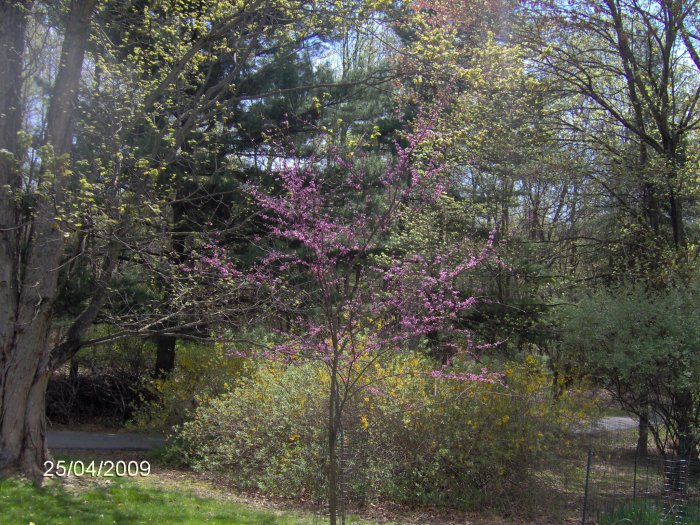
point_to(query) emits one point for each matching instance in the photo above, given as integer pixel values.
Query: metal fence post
(634, 483)
(585, 489)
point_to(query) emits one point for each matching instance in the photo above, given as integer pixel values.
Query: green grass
(127, 502)
(646, 513)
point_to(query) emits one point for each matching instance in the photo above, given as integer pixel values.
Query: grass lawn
(129, 502)
(180, 497)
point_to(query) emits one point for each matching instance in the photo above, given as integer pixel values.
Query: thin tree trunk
(165, 355)
(333, 420)
(643, 435)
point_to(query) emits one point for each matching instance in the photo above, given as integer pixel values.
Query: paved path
(616, 423)
(64, 439)
(607, 424)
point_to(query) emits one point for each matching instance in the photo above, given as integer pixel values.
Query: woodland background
(353, 250)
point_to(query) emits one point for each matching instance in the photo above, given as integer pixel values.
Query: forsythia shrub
(407, 436)
(201, 372)
(268, 433)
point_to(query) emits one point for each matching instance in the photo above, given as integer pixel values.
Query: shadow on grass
(124, 503)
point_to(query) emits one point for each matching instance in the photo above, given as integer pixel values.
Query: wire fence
(623, 486)
(596, 477)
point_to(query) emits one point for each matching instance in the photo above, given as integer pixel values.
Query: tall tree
(32, 242)
(628, 73)
(627, 87)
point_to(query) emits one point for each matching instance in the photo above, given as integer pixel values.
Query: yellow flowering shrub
(408, 436)
(201, 372)
(267, 433)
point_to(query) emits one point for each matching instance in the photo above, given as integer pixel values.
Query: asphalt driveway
(72, 440)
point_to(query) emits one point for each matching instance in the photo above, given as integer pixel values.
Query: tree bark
(16, 368)
(643, 435)
(13, 24)
(29, 276)
(333, 427)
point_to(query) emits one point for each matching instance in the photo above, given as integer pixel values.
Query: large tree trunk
(33, 248)
(13, 23)
(25, 373)
(23, 422)
(17, 370)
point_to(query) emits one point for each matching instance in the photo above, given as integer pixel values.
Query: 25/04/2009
(106, 468)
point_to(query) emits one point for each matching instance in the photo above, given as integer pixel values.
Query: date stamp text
(107, 468)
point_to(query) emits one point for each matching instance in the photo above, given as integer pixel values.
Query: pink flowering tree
(360, 300)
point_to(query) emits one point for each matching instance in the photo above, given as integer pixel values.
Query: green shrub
(102, 384)
(408, 437)
(635, 342)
